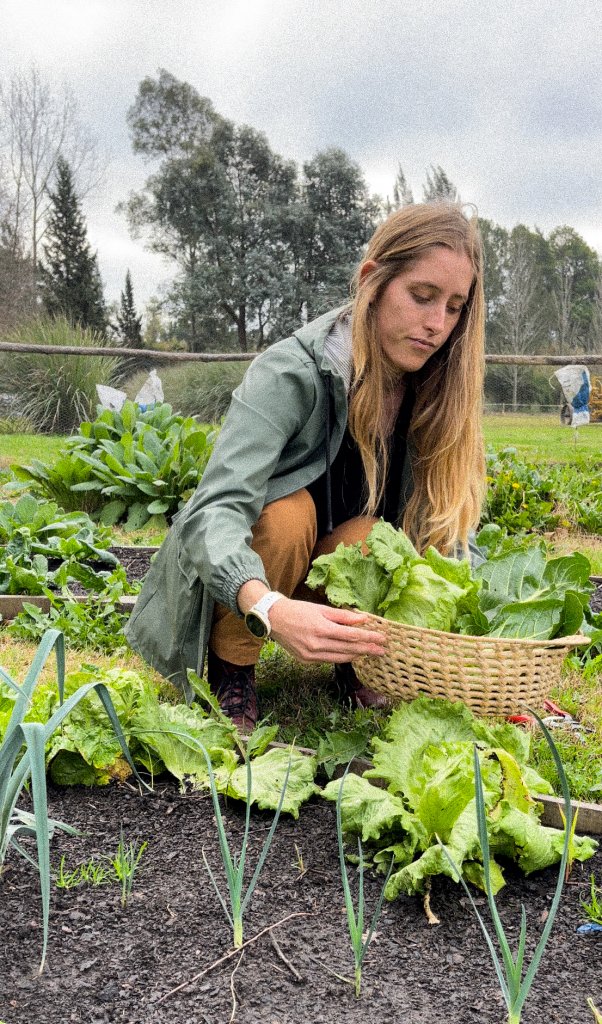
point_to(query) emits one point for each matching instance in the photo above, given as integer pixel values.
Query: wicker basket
(492, 675)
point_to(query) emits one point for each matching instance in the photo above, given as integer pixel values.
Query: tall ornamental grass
(56, 392)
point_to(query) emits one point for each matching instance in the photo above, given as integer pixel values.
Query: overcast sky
(507, 96)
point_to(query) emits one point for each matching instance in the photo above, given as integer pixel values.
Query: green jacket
(272, 443)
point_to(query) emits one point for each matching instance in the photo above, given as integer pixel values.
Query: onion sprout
(355, 923)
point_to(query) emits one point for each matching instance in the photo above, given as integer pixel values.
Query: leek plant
(355, 923)
(515, 988)
(22, 758)
(234, 865)
(235, 902)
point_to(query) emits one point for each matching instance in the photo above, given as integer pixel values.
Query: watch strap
(265, 603)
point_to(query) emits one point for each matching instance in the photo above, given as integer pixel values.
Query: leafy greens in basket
(515, 592)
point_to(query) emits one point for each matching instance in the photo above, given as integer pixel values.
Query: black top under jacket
(348, 480)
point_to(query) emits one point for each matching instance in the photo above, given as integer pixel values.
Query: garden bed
(135, 560)
(109, 964)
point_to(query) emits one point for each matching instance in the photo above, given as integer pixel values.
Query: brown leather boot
(350, 689)
(234, 687)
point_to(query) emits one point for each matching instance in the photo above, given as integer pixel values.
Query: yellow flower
(516, 487)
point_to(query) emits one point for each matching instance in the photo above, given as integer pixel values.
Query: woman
(373, 409)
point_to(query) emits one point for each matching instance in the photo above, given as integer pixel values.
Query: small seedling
(595, 1011)
(92, 872)
(515, 988)
(355, 924)
(593, 909)
(299, 863)
(125, 864)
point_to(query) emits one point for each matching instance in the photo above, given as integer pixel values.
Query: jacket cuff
(229, 587)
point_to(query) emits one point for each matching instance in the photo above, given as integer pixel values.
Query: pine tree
(70, 278)
(402, 193)
(438, 187)
(130, 325)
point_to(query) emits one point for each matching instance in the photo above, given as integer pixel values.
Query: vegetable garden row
(447, 794)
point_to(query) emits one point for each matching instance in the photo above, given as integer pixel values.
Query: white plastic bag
(575, 383)
(150, 393)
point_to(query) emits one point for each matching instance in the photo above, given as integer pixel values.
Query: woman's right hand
(318, 632)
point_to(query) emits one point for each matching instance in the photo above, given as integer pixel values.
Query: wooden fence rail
(229, 357)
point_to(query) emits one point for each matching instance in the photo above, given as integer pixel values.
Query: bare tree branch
(39, 126)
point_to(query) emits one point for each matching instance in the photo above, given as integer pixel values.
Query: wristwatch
(256, 619)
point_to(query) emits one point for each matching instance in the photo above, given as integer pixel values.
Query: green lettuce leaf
(369, 811)
(426, 763)
(349, 578)
(173, 733)
(425, 599)
(268, 772)
(391, 548)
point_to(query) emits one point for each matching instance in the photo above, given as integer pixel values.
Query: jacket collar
(314, 334)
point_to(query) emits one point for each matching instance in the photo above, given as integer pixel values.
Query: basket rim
(576, 640)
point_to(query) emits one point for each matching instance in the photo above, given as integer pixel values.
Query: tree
(495, 246)
(438, 186)
(17, 297)
(337, 216)
(217, 208)
(402, 193)
(574, 275)
(519, 314)
(130, 325)
(71, 284)
(596, 331)
(169, 118)
(38, 127)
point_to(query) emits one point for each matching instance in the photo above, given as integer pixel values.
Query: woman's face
(420, 307)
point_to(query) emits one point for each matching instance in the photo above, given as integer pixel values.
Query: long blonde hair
(445, 430)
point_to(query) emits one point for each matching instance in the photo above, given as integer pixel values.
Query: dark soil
(109, 964)
(135, 561)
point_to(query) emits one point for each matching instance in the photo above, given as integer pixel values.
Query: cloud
(506, 97)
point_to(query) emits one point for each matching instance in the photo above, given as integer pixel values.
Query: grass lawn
(538, 438)
(543, 438)
(23, 448)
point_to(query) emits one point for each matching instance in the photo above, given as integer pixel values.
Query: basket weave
(492, 675)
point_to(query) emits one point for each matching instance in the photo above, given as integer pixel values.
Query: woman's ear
(366, 268)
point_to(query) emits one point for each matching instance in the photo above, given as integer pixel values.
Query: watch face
(256, 625)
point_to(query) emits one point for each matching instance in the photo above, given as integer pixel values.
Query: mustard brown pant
(285, 538)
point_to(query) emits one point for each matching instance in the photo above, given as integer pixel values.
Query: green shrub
(56, 392)
(132, 465)
(518, 497)
(536, 389)
(203, 390)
